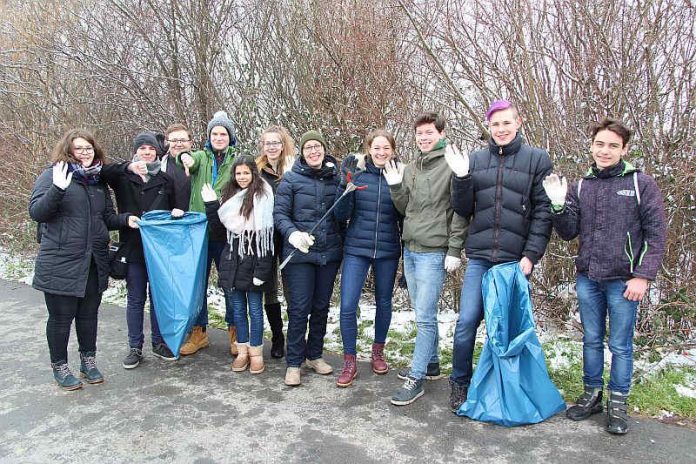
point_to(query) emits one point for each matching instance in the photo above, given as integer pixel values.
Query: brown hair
(255, 188)
(286, 155)
(177, 127)
(430, 118)
(63, 150)
(379, 133)
(613, 125)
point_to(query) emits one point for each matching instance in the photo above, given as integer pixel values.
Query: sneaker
(133, 359)
(319, 366)
(410, 391)
(162, 351)
(457, 395)
(590, 402)
(617, 415)
(432, 372)
(88, 368)
(65, 378)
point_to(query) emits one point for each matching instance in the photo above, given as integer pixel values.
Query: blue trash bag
(176, 251)
(511, 385)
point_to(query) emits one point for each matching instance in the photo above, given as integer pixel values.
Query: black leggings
(61, 312)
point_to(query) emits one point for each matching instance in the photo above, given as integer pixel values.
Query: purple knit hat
(497, 105)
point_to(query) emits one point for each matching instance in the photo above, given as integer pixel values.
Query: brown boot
(241, 362)
(232, 332)
(349, 372)
(256, 359)
(379, 365)
(197, 340)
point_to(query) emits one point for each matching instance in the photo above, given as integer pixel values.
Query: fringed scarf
(255, 234)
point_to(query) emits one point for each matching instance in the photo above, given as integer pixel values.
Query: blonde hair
(287, 155)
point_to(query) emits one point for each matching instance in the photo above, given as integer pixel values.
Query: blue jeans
(214, 254)
(470, 316)
(425, 276)
(309, 287)
(136, 285)
(238, 300)
(596, 299)
(353, 277)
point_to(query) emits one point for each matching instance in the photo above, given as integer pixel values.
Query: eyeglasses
(175, 141)
(83, 149)
(272, 144)
(311, 148)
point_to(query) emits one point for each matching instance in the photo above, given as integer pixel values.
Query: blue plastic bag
(511, 385)
(176, 251)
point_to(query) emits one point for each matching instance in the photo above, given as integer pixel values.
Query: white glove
(133, 222)
(452, 263)
(556, 189)
(394, 172)
(257, 282)
(61, 177)
(457, 161)
(177, 213)
(186, 160)
(301, 240)
(208, 193)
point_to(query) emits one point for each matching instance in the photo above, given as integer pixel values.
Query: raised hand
(394, 172)
(556, 189)
(61, 176)
(457, 161)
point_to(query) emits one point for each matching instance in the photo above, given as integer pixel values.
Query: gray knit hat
(221, 119)
(147, 138)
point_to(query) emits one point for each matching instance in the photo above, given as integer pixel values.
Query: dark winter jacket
(137, 197)
(238, 272)
(273, 180)
(182, 183)
(75, 225)
(503, 192)
(302, 198)
(373, 230)
(620, 220)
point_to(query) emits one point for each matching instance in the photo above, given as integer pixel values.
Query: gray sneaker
(410, 391)
(133, 359)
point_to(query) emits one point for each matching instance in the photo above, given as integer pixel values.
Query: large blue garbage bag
(511, 385)
(176, 251)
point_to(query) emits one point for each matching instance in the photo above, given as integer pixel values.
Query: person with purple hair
(499, 189)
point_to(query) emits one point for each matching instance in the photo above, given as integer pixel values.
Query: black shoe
(162, 351)
(410, 391)
(617, 414)
(457, 395)
(590, 402)
(431, 373)
(133, 359)
(278, 346)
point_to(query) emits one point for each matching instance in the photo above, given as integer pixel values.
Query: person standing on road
(73, 207)
(618, 216)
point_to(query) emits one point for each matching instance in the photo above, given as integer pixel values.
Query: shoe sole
(91, 382)
(585, 416)
(378, 372)
(427, 377)
(194, 352)
(240, 369)
(165, 358)
(73, 388)
(407, 402)
(257, 372)
(131, 366)
(345, 385)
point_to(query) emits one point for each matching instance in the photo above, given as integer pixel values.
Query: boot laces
(90, 362)
(348, 366)
(63, 370)
(377, 355)
(410, 383)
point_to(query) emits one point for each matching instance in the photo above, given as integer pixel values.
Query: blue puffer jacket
(373, 230)
(302, 198)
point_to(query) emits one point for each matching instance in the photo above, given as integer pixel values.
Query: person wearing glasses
(303, 197)
(276, 155)
(73, 207)
(177, 141)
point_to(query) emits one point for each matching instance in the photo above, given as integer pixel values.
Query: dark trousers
(137, 286)
(61, 312)
(309, 288)
(214, 254)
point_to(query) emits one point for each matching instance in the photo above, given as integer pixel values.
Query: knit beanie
(147, 138)
(221, 119)
(312, 135)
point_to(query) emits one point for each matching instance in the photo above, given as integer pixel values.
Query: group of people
(318, 217)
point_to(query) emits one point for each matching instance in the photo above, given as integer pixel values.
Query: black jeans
(61, 312)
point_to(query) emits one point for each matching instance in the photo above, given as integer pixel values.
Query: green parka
(202, 173)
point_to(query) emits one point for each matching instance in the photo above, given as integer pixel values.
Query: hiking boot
(319, 366)
(65, 378)
(410, 391)
(232, 334)
(196, 341)
(256, 364)
(432, 372)
(241, 362)
(616, 413)
(275, 320)
(135, 355)
(590, 402)
(292, 376)
(457, 395)
(349, 372)
(88, 368)
(162, 351)
(379, 365)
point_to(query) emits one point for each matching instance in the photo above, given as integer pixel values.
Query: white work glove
(187, 162)
(61, 176)
(133, 222)
(257, 282)
(394, 172)
(457, 161)
(301, 240)
(556, 189)
(208, 193)
(177, 213)
(452, 263)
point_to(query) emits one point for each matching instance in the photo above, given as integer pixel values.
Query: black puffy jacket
(75, 225)
(503, 194)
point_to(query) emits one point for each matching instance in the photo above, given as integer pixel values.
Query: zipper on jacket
(379, 197)
(498, 199)
(628, 250)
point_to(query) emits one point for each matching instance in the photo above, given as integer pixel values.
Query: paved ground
(197, 410)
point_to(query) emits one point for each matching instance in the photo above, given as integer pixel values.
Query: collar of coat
(327, 169)
(507, 150)
(620, 169)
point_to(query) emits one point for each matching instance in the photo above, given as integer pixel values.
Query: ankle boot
(241, 362)
(256, 364)
(88, 367)
(65, 379)
(232, 333)
(379, 365)
(349, 372)
(617, 414)
(590, 402)
(197, 340)
(275, 320)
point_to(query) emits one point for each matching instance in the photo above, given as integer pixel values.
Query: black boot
(590, 402)
(616, 413)
(458, 394)
(275, 320)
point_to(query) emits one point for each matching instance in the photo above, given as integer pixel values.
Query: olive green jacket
(202, 173)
